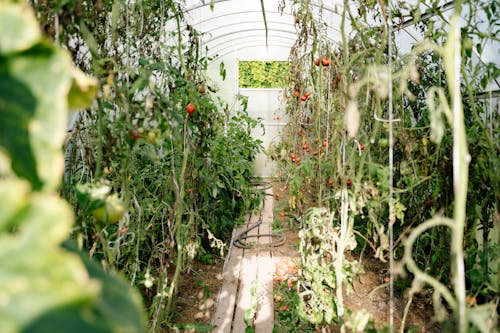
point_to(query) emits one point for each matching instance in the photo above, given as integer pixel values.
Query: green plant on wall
(44, 287)
(263, 74)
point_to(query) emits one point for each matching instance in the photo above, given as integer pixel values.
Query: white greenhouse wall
(262, 103)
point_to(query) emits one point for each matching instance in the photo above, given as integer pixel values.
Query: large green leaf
(35, 89)
(47, 73)
(18, 28)
(36, 274)
(13, 197)
(118, 304)
(117, 308)
(17, 108)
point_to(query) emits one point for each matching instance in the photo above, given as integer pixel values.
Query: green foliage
(43, 286)
(263, 74)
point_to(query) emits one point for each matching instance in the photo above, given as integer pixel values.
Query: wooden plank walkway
(247, 290)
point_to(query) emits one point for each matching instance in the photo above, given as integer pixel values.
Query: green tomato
(383, 142)
(112, 210)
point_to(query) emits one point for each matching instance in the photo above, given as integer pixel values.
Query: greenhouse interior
(249, 166)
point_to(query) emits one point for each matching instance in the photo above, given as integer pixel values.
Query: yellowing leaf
(352, 118)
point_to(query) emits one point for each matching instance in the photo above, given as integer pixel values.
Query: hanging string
(391, 170)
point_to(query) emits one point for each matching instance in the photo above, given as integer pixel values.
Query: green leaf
(47, 74)
(197, 327)
(17, 108)
(115, 16)
(89, 39)
(83, 90)
(38, 276)
(18, 28)
(118, 305)
(13, 197)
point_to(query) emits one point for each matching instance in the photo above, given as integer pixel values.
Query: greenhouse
(249, 166)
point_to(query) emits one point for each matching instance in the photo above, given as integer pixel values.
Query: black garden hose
(241, 242)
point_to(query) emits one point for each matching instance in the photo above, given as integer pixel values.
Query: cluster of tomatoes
(325, 62)
(305, 147)
(304, 97)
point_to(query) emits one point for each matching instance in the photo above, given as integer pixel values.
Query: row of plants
(368, 145)
(156, 169)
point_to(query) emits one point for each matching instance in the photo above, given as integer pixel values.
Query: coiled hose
(241, 240)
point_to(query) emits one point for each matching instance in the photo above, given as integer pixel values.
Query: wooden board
(248, 269)
(264, 320)
(223, 317)
(248, 276)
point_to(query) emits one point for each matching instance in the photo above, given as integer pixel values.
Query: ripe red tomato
(330, 182)
(325, 143)
(135, 135)
(315, 153)
(296, 93)
(190, 108)
(316, 62)
(292, 155)
(326, 61)
(297, 160)
(282, 214)
(277, 196)
(304, 146)
(348, 182)
(303, 98)
(308, 150)
(190, 191)
(361, 146)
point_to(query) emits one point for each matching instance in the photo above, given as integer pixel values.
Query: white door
(265, 103)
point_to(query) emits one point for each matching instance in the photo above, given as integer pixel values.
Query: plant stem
(460, 167)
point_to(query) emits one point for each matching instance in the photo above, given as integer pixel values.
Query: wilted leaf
(436, 111)
(352, 118)
(484, 317)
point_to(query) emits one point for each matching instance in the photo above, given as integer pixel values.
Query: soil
(371, 293)
(198, 291)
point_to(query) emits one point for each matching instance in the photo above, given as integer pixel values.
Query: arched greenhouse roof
(267, 29)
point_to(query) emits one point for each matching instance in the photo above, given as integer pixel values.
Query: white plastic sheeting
(234, 30)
